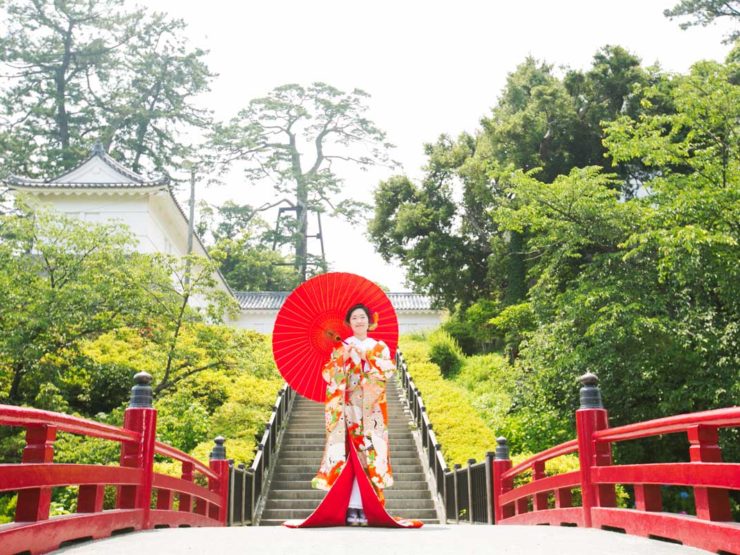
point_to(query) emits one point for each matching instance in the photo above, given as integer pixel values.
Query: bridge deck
(462, 539)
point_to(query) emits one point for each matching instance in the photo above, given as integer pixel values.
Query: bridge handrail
(34, 477)
(24, 417)
(465, 493)
(710, 478)
(718, 418)
(565, 448)
(180, 456)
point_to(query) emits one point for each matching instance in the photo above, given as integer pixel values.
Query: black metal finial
(141, 393)
(219, 451)
(502, 449)
(98, 148)
(590, 392)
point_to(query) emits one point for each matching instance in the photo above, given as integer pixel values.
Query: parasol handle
(334, 336)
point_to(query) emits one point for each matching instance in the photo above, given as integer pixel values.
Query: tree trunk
(301, 244)
(301, 211)
(14, 397)
(516, 272)
(60, 100)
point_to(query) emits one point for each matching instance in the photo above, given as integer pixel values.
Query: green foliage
(705, 12)
(459, 428)
(489, 382)
(471, 328)
(8, 502)
(272, 134)
(542, 126)
(514, 322)
(181, 421)
(644, 293)
(632, 274)
(82, 280)
(445, 353)
(79, 71)
(243, 245)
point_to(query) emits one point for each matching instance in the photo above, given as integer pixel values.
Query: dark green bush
(445, 353)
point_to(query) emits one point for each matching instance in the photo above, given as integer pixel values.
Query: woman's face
(359, 322)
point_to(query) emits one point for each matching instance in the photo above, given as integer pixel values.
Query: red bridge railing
(549, 499)
(144, 499)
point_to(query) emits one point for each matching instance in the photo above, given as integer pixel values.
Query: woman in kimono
(356, 409)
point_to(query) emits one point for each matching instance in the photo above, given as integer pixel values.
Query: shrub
(470, 327)
(489, 381)
(445, 353)
(459, 428)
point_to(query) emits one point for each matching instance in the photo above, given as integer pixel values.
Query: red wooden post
(540, 499)
(220, 466)
(711, 503)
(185, 500)
(590, 418)
(142, 418)
(33, 504)
(164, 499)
(501, 464)
(90, 499)
(563, 498)
(648, 498)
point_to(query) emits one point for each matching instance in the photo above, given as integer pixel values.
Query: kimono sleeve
(333, 366)
(380, 365)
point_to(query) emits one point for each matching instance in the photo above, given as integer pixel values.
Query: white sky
(431, 67)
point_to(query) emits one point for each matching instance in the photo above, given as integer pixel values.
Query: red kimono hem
(333, 508)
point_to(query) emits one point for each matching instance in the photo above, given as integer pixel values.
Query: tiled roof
(116, 176)
(273, 300)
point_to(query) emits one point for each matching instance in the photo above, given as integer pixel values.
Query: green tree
(65, 282)
(643, 292)
(243, 244)
(62, 281)
(80, 71)
(441, 229)
(704, 12)
(295, 137)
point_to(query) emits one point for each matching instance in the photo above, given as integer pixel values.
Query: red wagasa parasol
(310, 325)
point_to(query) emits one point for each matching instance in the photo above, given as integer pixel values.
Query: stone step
(399, 478)
(311, 504)
(307, 468)
(277, 514)
(299, 450)
(309, 430)
(301, 458)
(321, 435)
(305, 485)
(315, 423)
(391, 493)
(280, 521)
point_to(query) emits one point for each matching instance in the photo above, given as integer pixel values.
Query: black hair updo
(364, 308)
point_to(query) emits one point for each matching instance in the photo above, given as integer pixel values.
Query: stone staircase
(290, 494)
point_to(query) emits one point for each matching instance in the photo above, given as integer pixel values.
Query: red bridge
(491, 492)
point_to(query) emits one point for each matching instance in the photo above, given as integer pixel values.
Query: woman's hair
(364, 308)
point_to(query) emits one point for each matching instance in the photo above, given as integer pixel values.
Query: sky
(431, 67)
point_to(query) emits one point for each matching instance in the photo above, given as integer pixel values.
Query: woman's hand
(349, 349)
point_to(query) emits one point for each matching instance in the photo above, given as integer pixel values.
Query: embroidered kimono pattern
(356, 405)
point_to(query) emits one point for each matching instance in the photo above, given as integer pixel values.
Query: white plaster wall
(411, 322)
(131, 210)
(263, 321)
